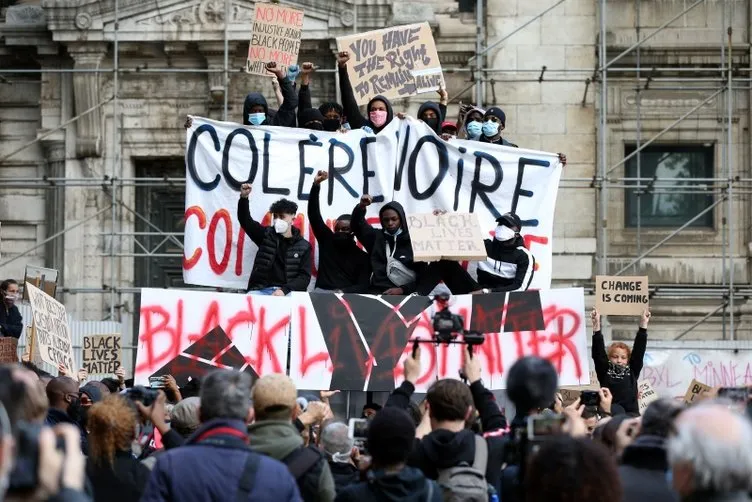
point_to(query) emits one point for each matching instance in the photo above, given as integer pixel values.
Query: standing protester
(65, 406)
(494, 121)
(379, 109)
(283, 261)
(390, 438)
(343, 266)
(449, 128)
(619, 368)
(710, 456)
(216, 463)
(334, 116)
(644, 463)
(311, 118)
(113, 471)
(433, 114)
(341, 453)
(256, 109)
(470, 124)
(509, 266)
(273, 433)
(11, 322)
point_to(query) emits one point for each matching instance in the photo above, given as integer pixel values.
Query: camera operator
(449, 406)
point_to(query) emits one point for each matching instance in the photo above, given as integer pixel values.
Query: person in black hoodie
(509, 266)
(432, 113)
(311, 119)
(619, 368)
(256, 109)
(283, 260)
(394, 272)
(11, 322)
(343, 266)
(379, 108)
(450, 404)
(390, 437)
(644, 463)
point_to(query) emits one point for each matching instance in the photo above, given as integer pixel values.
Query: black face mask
(342, 237)
(316, 126)
(332, 125)
(75, 411)
(432, 123)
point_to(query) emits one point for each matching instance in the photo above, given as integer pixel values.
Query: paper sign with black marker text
(275, 38)
(621, 295)
(51, 329)
(695, 391)
(450, 236)
(646, 394)
(102, 354)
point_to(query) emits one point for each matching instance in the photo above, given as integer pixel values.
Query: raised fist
(272, 67)
(245, 190)
(320, 177)
(342, 58)
(308, 68)
(366, 200)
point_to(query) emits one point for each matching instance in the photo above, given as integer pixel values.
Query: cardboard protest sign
(8, 350)
(619, 295)
(646, 395)
(394, 62)
(276, 37)
(450, 236)
(406, 163)
(695, 391)
(53, 341)
(102, 354)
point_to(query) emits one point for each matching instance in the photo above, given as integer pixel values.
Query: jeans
(264, 291)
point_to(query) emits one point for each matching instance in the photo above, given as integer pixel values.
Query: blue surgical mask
(474, 129)
(395, 233)
(490, 128)
(256, 118)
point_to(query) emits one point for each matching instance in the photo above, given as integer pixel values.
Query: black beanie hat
(391, 434)
(498, 113)
(310, 115)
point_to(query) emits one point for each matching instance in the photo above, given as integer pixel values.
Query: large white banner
(406, 162)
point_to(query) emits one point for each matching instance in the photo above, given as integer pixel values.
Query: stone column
(54, 151)
(215, 60)
(86, 95)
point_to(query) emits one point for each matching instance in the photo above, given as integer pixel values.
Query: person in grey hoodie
(273, 433)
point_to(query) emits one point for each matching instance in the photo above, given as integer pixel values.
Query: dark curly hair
(566, 469)
(284, 206)
(332, 105)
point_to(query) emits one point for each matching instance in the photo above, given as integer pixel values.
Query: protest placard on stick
(276, 37)
(51, 331)
(394, 62)
(450, 236)
(619, 295)
(8, 350)
(102, 354)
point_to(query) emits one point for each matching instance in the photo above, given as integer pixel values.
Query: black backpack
(305, 464)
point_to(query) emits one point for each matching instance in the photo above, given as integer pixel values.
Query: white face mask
(504, 233)
(280, 226)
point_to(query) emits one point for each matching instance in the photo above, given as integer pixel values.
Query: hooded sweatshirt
(285, 116)
(342, 264)
(278, 439)
(375, 242)
(407, 485)
(439, 110)
(509, 267)
(352, 111)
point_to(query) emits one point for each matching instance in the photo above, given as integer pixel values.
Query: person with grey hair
(644, 462)
(710, 454)
(340, 453)
(216, 462)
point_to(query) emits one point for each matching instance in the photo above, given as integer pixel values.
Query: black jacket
(352, 110)
(344, 475)
(442, 449)
(643, 471)
(285, 116)
(11, 322)
(375, 242)
(342, 265)
(297, 261)
(55, 417)
(124, 481)
(501, 141)
(408, 485)
(304, 101)
(438, 109)
(622, 382)
(508, 267)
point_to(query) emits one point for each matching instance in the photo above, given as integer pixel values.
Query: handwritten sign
(450, 236)
(395, 62)
(646, 395)
(51, 329)
(617, 295)
(276, 37)
(102, 354)
(695, 391)
(8, 350)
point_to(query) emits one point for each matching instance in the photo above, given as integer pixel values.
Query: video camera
(448, 326)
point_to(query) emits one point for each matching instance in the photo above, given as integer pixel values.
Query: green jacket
(278, 439)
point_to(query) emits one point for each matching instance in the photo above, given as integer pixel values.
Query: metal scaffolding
(726, 186)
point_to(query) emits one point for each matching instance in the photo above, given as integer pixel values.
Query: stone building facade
(138, 138)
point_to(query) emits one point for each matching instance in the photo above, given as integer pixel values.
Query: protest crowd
(224, 436)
